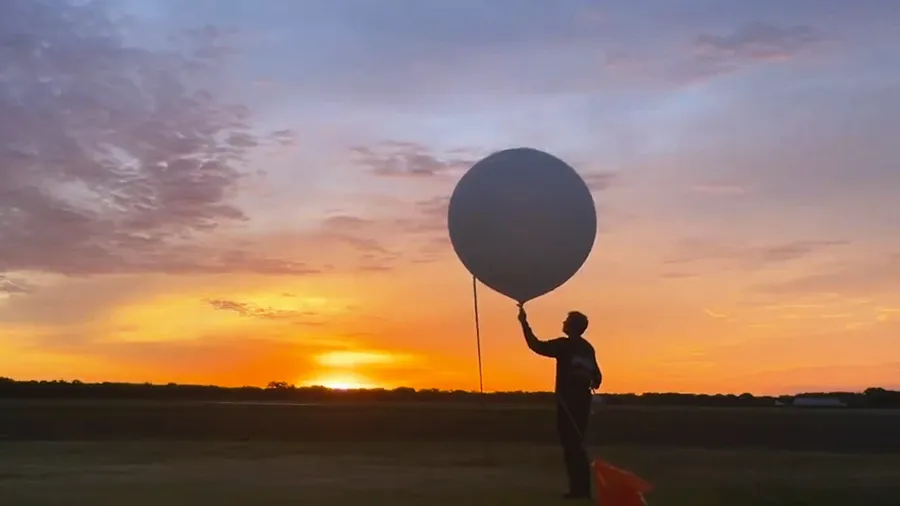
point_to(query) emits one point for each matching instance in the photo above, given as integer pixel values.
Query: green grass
(260, 473)
(85, 453)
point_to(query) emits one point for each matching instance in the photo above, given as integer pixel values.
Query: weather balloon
(522, 221)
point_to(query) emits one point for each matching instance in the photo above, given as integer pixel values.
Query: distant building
(830, 402)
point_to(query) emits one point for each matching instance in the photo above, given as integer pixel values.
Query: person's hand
(523, 318)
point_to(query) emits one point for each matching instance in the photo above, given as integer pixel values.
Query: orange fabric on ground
(617, 487)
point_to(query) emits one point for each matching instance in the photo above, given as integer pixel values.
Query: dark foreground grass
(831, 430)
(272, 473)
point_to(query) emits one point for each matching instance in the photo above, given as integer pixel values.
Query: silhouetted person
(577, 374)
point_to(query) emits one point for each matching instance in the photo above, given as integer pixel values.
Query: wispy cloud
(699, 58)
(112, 154)
(10, 287)
(714, 314)
(250, 310)
(599, 181)
(716, 54)
(875, 276)
(885, 314)
(748, 257)
(408, 159)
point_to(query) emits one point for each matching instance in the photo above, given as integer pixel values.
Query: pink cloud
(114, 157)
(409, 159)
(713, 55)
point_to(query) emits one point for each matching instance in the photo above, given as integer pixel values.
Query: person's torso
(575, 368)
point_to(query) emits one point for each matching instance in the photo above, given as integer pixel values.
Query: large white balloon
(522, 221)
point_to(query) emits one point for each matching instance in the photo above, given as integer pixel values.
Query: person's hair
(578, 322)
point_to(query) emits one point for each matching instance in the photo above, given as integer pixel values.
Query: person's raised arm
(543, 348)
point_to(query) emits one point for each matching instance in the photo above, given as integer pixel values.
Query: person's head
(575, 324)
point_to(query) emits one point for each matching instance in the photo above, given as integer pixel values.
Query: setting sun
(343, 382)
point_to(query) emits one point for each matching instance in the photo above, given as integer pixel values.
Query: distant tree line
(279, 391)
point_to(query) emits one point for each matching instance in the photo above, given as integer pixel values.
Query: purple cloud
(408, 159)
(713, 55)
(599, 181)
(249, 310)
(111, 153)
(756, 41)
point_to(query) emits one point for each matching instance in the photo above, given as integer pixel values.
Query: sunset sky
(743, 156)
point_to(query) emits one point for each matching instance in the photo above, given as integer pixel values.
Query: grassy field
(87, 453)
(256, 473)
(778, 428)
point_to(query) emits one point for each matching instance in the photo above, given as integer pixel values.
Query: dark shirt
(577, 371)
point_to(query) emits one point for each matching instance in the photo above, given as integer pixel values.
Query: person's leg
(581, 466)
(569, 426)
(565, 429)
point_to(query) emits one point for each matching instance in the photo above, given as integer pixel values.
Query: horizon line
(292, 386)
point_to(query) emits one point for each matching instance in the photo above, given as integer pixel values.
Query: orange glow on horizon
(341, 382)
(359, 358)
(413, 327)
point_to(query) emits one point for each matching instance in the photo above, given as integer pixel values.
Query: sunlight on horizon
(358, 358)
(341, 382)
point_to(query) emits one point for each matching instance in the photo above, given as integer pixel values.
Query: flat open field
(339, 474)
(86, 453)
(834, 430)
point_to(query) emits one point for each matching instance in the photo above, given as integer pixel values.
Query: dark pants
(571, 427)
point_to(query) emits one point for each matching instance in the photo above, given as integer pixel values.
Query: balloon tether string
(477, 335)
(485, 454)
